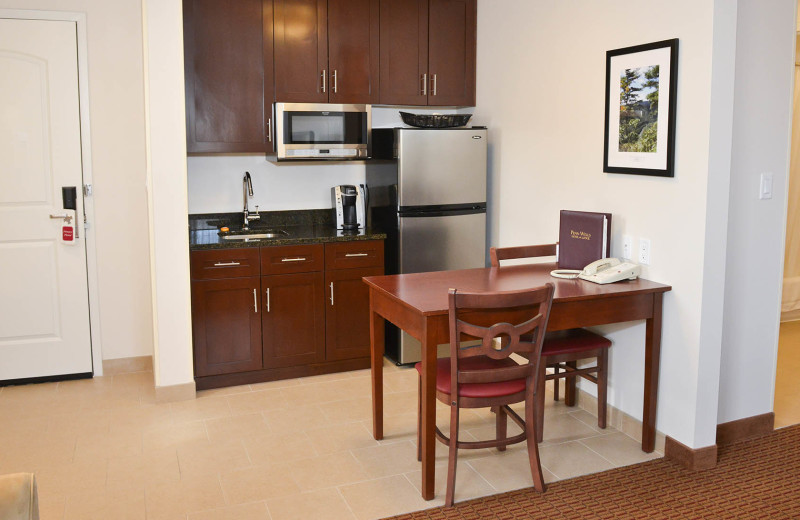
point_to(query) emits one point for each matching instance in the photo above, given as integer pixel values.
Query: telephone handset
(605, 270)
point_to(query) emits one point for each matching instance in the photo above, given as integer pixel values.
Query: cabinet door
(404, 52)
(226, 326)
(353, 50)
(225, 61)
(301, 51)
(347, 313)
(451, 52)
(293, 319)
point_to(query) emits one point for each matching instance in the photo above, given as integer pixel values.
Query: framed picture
(641, 86)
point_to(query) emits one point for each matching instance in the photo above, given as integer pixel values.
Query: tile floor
(296, 449)
(787, 384)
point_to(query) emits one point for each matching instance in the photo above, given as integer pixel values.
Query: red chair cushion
(476, 389)
(572, 341)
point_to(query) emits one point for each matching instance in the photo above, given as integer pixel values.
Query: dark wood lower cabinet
(307, 314)
(347, 313)
(226, 325)
(293, 319)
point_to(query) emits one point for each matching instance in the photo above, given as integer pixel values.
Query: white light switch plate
(765, 188)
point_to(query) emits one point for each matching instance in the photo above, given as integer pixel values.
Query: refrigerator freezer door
(442, 243)
(439, 167)
(438, 244)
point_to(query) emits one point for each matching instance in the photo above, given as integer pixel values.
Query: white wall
(541, 73)
(166, 155)
(116, 105)
(756, 228)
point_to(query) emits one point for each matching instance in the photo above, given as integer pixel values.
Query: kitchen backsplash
(215, 181)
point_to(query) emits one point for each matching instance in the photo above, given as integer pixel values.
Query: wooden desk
(417, 303)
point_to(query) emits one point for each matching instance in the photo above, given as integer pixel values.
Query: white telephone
(605, 270)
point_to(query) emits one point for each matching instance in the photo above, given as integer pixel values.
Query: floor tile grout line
(346, 503)
(613, 464)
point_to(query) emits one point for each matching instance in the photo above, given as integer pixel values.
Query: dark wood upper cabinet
(404, 52)
(327, 51)
(353, 50)
(301, 51)
(428, 52)
(229, 75)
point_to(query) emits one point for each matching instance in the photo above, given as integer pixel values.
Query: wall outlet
(627, 247)
(644, 251)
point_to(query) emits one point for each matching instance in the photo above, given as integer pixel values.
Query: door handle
(65, 218)
(298, 259)
(433, 84)
(323, 79)
(335, 82)
(331, 294)
(255, 301)
(356, 254)
(267, 299)
(269, 131)
(424, 79)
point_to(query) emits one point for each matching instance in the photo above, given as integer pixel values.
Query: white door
(44, 308)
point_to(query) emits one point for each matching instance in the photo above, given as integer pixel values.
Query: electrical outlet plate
(627, 247)
(644, 251)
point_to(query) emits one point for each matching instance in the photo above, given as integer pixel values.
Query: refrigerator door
(441, 166)
(438, 243)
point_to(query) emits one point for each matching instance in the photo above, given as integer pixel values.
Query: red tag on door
(67, 233)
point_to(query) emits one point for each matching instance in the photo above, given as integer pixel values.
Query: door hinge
(87, 190)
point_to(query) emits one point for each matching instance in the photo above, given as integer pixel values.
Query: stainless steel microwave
(322, 131)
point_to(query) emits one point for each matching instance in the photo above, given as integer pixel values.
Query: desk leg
(428, 412)
(652, 360)
(376, 333)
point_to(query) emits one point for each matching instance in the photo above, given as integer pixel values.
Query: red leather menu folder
(583, 237)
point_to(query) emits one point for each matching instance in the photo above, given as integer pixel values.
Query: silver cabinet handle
(357, 254)
(298, 259)
(269, 130)
(255, 301)
(335, 82)
(331, 293)
(267, 299)
(324, 72)
(424, 79)
(433, 84)
(226, 264)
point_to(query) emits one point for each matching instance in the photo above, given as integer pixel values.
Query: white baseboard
(127, 365)
(172, 393)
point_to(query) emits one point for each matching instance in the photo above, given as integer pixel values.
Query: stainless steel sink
(247, 237)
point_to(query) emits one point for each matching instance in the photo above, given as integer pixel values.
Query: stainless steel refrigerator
(427, 191)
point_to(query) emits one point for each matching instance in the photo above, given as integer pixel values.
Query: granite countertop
(301, 227)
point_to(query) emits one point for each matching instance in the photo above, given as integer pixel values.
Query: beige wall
(541, 75)
(114, 34)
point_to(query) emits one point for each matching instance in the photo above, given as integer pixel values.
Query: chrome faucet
(247, 190)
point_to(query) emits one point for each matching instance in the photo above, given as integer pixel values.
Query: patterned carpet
(757, 478)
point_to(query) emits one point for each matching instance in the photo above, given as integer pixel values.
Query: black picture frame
(636, 141)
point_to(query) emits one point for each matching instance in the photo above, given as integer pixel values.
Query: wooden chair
(562, 350)
(483, 375)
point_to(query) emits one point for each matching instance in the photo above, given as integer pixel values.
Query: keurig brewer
(348, 201)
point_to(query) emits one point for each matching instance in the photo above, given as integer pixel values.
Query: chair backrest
(508, 253)
(498, 340)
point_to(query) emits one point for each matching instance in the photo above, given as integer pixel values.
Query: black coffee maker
(348, 202)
